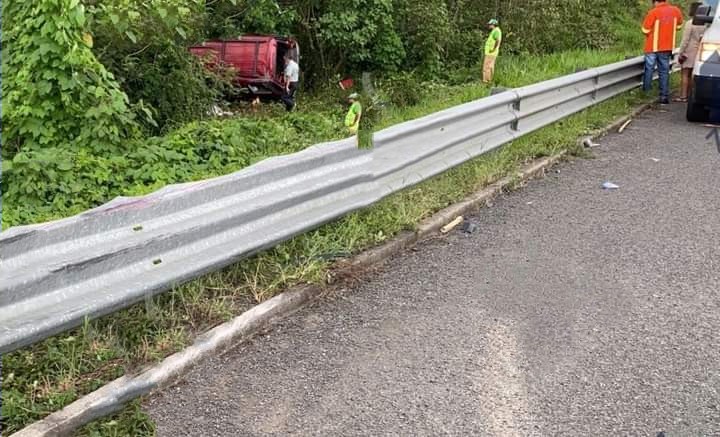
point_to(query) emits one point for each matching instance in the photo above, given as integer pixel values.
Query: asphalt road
(573, 311)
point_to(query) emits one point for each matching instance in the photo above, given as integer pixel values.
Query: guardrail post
(516, 109)
(596, 84)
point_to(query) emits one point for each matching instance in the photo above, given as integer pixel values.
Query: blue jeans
(662, 60)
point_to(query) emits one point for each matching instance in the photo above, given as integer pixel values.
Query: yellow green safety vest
(495, 35)
(355, 109)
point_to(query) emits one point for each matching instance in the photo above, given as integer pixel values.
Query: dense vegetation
(89, 83)
(101, 99)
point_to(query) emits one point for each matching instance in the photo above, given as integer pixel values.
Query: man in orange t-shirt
(660, 28)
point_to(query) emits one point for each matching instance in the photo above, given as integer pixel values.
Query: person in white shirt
(292, 77)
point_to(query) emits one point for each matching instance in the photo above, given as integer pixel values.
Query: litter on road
(588, 143)
(450, 226)
(610, 186)
(622, 128)
(469, 227)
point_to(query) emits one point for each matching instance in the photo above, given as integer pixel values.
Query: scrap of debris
(469, 227)
(610, 186)
(450, 226)
(217, 111)
(622, 128)
(588, 143)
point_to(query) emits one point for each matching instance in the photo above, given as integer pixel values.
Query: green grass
(511, 72)
(131, 422)
(57, 183)
(45, 377)
(300, 260)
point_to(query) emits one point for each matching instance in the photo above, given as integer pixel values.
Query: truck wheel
(696, 113)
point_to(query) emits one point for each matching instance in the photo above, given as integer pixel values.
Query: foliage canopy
(90, 84)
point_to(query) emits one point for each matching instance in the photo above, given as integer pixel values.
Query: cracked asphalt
(572, 311)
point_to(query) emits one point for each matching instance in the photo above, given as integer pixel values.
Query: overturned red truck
(256, 61)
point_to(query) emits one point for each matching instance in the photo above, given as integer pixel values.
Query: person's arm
(497, 43)
(287, 78)
(358, 112)
(680, 26)
(687, 31)
(648, 23)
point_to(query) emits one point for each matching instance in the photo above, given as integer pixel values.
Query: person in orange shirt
(660, 28)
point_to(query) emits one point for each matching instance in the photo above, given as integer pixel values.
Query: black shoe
(664, 101)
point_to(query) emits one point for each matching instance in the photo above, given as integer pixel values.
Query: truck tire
(696, 113)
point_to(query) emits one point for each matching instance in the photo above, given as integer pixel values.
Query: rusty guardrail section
(54, 275)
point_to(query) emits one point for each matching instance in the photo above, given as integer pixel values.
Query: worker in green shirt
(352, 119)
(492, 49)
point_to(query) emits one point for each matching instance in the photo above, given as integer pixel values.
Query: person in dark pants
(292, 76)
(660, 28)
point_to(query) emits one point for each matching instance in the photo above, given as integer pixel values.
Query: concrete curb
(113, 396)
(620, 120)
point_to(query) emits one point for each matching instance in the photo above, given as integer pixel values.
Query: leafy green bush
(144, 44)
(425, 36)
(540, 26)
(55, 90)
(425, 26)
(56, 181)
(72, 134)
(231, 18)
(403, 89)
(59, 181)
(360, 34)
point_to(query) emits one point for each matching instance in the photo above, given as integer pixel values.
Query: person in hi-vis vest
(660, 27)
(492, 49)
(352, 118)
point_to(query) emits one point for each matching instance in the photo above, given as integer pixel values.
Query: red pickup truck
(257, 61)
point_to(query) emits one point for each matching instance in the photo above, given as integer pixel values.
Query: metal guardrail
(54, 275)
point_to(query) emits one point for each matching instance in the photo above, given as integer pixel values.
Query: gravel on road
(573, 310)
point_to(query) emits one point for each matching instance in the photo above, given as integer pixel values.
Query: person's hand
(682, 59)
